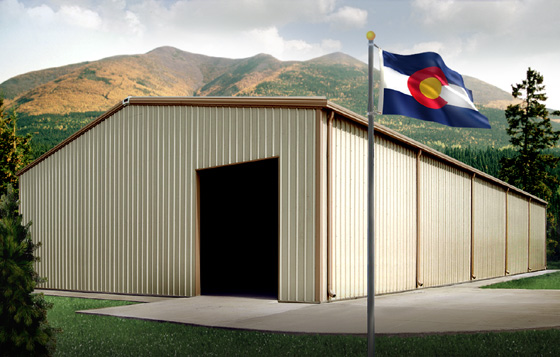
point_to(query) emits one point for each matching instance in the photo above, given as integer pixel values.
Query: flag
(421, 86)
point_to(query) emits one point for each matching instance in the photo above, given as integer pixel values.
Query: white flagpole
(370, 208)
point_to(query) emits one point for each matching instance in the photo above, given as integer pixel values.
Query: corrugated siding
(116, 208)
(349, 204)
(518, 234)
(297, 204)
(537, 249)
(489, 230)
(395, 213)
(445, 229)
(395, 217)
(324, 220)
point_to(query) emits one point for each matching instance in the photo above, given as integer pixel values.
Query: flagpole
(370, 208)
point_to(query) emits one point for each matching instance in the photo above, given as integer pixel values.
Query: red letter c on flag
(425, 87)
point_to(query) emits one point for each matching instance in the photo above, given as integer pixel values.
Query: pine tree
(15, 151)
(24, 330)
(530, 133)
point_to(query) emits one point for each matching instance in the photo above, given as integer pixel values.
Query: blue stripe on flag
(398, 103)
(410, 64)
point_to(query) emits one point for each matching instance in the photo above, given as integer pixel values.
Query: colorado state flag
(421, 86)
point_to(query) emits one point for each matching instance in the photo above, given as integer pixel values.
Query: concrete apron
(458, 308)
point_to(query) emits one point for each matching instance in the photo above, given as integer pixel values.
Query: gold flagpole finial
(370, 35)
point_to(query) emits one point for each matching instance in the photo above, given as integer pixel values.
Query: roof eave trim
(298, 102)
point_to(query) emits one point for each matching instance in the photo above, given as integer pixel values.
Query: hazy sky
(495, 41)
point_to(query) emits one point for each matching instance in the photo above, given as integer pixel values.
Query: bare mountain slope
(167, 71)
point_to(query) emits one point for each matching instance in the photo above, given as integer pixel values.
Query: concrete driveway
(458, 308)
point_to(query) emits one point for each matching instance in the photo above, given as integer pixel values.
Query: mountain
(167, 71)
(97, 86)
(487, 95)
(53, 103)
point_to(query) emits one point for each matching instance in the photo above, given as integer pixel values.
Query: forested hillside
(54, 103)
(48, 130)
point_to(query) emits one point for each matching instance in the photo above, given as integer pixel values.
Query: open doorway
(239, 229)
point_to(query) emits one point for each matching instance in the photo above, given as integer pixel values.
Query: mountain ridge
(54, 103)
(168, 71)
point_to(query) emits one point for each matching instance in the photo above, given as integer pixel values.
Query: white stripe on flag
(456, 96)
(382, 83)
(453, 94)
(395, 80)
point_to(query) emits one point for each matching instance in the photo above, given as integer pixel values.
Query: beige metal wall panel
(395, 217)
(489, 228)
(445, 229)
(349, 205)
(323, 275)
(297, 204)
(395, 214)
(537, 238)
(115, 209)
(518, 234)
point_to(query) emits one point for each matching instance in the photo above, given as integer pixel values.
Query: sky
(493, 40)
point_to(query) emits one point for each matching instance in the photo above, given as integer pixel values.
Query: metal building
(183, 196)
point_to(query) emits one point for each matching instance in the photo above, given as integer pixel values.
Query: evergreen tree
(15, 151)
(24, 330)
(530, 133)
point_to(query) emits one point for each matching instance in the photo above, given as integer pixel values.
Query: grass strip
(547, 281)
(90, 335)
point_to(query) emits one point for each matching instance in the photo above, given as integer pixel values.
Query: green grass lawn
(90, 335)
(548, 281)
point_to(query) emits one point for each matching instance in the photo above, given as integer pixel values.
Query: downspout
(419, 282)
(472, 226)
(507, 231)
(529, 236)
(330, 292)
(545, 226)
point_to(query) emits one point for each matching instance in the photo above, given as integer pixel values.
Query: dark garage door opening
(239, 229)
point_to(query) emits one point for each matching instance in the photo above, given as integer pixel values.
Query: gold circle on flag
(431, 87)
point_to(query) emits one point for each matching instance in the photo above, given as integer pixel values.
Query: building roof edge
(287, 102)
(426, 150)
